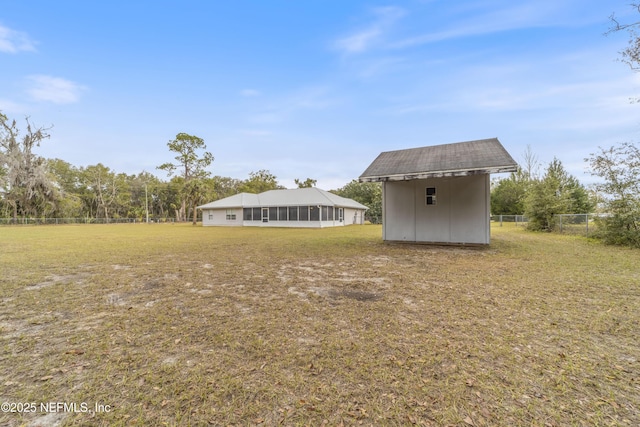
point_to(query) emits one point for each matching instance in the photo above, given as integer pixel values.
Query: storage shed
(439, 194)
(301, 207)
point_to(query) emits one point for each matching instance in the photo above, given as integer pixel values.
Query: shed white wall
(460, 215)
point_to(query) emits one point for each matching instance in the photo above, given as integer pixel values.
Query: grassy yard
(183, 325)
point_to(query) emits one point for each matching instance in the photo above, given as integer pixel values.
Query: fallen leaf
(46, 378)
(75, 351)
(469, 421)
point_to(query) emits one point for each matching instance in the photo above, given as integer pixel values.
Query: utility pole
(146, 201)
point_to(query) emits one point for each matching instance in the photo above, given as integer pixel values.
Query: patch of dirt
(334, 293)
(354, 294)
(54, 279)
(53, 419)
(340, 280)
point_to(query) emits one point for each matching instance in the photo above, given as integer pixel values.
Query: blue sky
(316, 88)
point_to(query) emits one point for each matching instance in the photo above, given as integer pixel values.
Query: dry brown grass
(182, 325)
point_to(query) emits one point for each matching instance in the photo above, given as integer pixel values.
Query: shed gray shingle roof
(458, 159)
(294, 197)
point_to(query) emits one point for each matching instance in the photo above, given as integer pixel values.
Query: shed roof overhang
(438, 174)
(479, 157)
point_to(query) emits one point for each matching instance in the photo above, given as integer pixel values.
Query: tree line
(542, 196)
(34, 187)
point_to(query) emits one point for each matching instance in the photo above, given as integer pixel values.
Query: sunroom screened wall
(303, 207)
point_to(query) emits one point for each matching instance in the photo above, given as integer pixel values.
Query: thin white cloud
(250, 93)
(366, 38)
(255, 132)
(516, 96)
(511, 16)
(8, 106)
(12, 41)
(54, 89)
(313, 98)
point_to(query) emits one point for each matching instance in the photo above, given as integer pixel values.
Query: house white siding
(352, 216)
(219, 217)
(305, 207)
(457, 211)
(224, 217)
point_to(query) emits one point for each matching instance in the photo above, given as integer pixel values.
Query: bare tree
(101, 181)
(619, 167)
(24, 181)
(530, 164)
(630, 55)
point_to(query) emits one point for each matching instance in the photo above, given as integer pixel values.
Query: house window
(314, 213)
(431, 195)
(246, 214)
(282, 213)
(210, 216)
(293, 213)
(257, 214)
(273, 214)
(231, 215)
(304, 213)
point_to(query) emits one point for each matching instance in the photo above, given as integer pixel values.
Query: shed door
(265, 214)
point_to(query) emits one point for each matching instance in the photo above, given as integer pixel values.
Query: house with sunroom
(300, 207)
(440, 193)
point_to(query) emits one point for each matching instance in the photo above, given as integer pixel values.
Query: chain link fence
(581, 224)
(54, 221)
(517, 220)
(578, 224)
(373, 219)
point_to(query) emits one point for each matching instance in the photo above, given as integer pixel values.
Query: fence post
(587, 218)
(560, 223)
(500, 220)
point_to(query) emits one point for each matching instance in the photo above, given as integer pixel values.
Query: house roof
(482, 156)
(237, 200)
(299, 196)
